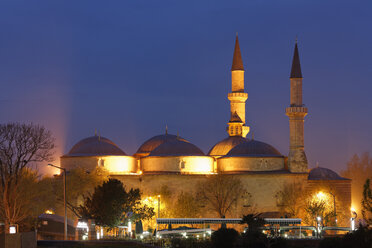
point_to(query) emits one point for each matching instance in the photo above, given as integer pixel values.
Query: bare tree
(290, 198)
(20, 146)
(220, 193)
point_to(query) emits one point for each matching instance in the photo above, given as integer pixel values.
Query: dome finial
(95, 132)
(252, 135)
(178, 134)
(99, 136)
(317, 164)
(166, 129)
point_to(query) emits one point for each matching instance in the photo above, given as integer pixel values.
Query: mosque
(170, 160)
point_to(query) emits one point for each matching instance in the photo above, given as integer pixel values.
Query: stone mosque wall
(261, 188)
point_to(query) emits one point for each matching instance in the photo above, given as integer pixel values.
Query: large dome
(224, 146)
(320, 173)
(156, 141)
(254, 148)
(177, 148)
(95, 146)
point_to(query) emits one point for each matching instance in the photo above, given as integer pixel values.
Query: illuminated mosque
(173, 161)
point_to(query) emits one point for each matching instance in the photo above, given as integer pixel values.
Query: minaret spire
(297, 161)
(237, 97)
(296, 66)
(237, 63)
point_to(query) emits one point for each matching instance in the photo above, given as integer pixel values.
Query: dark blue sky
(127, 68)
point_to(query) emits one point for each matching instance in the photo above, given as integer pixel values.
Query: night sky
(128, 68)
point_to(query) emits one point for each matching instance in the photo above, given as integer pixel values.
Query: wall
(261, 187)
(178, 164)
(250, 164)
(114, 164)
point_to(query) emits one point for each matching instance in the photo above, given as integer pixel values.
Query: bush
(224, 237)
(190, 243)
(362, 238)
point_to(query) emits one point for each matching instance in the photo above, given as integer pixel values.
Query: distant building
(171, 160)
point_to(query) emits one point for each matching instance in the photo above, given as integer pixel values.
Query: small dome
(177, 148)
(156, 141)
(224, 146)
(254, 148)
(95, 146)
(320, 173)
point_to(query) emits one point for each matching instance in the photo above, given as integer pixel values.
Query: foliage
(186, 206)
(361, 238)
(359, 169)
(254, 222)
(291, 198)
(316, 207)
(190, 243)
(224, 237)
(367, 202)
(80, 183)
(220, 192)
(21, 145)
(32, 197)
(111, 205)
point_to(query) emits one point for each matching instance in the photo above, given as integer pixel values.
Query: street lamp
(158, 206)
(353, 211)
(64, 197)
(334, 207)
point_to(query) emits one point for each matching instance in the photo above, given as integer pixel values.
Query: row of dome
(172, 145)
(172, 154)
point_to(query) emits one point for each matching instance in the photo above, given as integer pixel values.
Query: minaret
(237, 98)
(297, 161)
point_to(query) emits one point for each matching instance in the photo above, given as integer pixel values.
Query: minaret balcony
(238, 96)
(296, 110)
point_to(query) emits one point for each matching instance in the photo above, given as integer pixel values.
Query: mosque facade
(173, 161)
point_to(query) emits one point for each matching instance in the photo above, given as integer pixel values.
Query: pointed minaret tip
(296, 66)
(237, 64)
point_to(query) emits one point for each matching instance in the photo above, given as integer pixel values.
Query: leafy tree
(367, 202)
(111, 205)
(34, 195)
(21, 145)
(220, 192)
(80, 183)
(359, 169)
(318, 208)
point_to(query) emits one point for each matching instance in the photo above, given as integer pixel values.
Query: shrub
(224, 237)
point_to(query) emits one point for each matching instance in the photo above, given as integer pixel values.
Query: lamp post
(355, 215)
(64, 197)
(158, 206)
(334, 207)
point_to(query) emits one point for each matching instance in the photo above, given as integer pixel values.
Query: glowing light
(82, 225)
(49, 211)
(352, 209)
(352, 224)
(12, 229)
(321, 195)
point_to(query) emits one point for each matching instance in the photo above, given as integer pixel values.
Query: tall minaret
(297, 161)
(237, 98)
